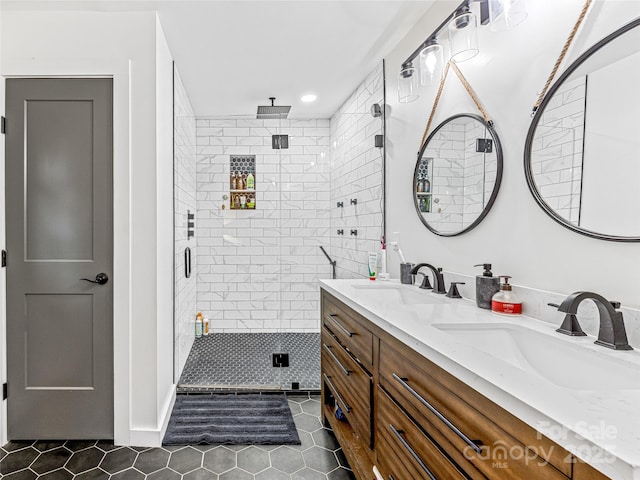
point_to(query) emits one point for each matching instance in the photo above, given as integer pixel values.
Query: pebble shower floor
(318, 458)
(243, 360)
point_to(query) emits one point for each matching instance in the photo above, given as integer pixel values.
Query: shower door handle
(187, 262)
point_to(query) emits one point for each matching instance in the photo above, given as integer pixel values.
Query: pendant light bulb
(431, 64)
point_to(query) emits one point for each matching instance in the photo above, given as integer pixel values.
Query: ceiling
(233, 55)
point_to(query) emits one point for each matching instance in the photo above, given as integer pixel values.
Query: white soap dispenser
(506, 302)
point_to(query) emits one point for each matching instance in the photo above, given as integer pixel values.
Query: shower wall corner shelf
(242, 182)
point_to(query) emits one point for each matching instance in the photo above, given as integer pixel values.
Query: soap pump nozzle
(487, 269)
(506, 286)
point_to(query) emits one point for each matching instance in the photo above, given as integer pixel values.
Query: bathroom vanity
(436, 388)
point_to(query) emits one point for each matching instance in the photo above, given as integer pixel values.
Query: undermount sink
(398, 294)
(555, 360)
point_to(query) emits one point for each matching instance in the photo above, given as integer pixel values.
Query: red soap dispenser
(506, 302)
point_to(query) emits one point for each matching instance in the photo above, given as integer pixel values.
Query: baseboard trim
(153, 437)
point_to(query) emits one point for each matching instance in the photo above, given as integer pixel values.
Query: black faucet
(612, 333)
(438, 279)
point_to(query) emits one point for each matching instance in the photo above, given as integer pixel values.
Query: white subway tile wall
(462, 179)
(184, 200)
(480, 171)
(356, 174)
(556, 153)
(447, 148)
(258, 269)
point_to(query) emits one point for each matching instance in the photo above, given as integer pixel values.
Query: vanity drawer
(584, 471)
(349, 327)
(450, 412)
(404, 451)
(350, 385)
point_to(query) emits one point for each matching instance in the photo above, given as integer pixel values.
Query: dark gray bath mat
(231, 419)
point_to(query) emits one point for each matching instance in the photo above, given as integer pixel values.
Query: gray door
(59, 231)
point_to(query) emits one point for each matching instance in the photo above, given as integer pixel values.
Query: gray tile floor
(318, 458)
(244, 361)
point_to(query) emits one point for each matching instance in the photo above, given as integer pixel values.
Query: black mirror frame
(532, 130)
(496, 187)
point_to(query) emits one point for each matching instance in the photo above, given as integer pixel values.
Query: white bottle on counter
(506, 302)
(382, 262)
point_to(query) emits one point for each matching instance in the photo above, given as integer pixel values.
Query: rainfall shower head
(272, 111)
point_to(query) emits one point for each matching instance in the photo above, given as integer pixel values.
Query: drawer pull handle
(405, 444)
(335, 359)
(442, 418)
(345, 407)
(333, 316)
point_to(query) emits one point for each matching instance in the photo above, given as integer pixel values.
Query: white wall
(125, 46)
(3, 274)
(516, 236)
(185, 200)
(165, 388)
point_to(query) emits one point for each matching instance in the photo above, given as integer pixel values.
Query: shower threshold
(242, 362)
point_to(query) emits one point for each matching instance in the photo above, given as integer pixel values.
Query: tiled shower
(254, 271)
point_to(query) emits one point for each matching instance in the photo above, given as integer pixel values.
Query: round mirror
(457, 175)
(582, 155)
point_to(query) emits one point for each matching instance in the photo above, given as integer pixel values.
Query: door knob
(101, 279)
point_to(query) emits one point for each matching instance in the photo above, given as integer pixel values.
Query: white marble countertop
(600, 426)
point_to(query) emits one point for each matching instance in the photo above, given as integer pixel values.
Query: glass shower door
(305, 225)
(248, 259)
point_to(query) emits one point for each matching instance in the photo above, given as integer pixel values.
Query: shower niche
(242, 182)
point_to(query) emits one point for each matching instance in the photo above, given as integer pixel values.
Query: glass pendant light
(463, 36)
(431, 64)
(506, 14)
(407, 84)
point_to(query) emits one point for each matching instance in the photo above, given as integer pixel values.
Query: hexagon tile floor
(318, 458)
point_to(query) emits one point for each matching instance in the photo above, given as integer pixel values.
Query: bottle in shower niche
(251, 182)
(233, 183)
(420, 187)
(199, 325)
(205, 327)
